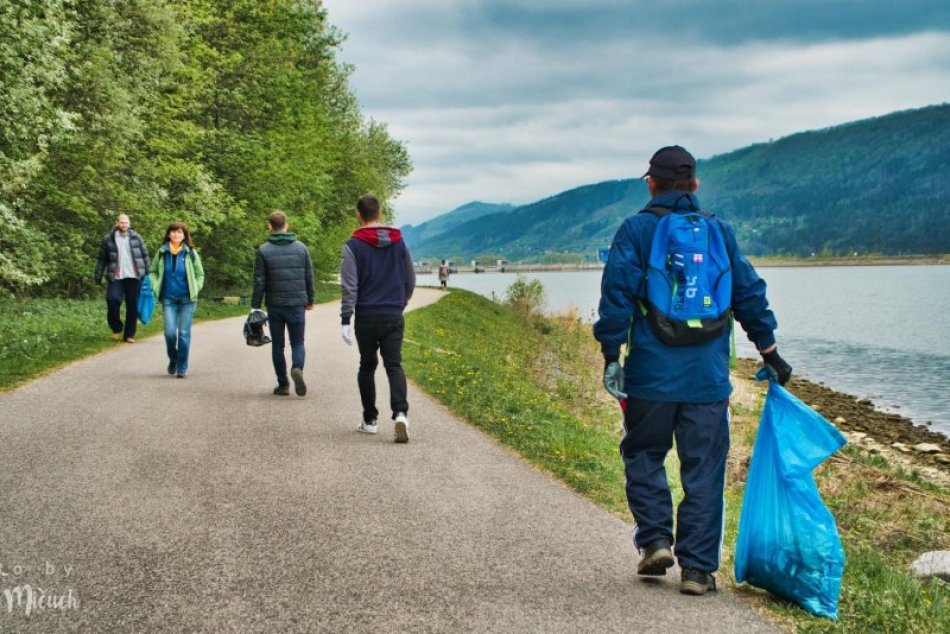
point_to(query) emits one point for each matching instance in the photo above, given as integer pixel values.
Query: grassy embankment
(38, 335)
(535, 385)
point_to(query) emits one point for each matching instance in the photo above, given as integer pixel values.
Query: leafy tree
(213, 112)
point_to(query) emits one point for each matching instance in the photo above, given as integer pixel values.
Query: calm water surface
(879, 332)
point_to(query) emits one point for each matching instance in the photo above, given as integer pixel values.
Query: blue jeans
(295, 319)
(177, 314)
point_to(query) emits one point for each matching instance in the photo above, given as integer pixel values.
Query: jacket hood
(378, 236)
(282, 238)
(676, 199)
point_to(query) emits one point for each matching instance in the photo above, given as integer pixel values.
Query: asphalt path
(131, 501)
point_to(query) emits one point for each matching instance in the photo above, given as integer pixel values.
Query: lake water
(880, 332)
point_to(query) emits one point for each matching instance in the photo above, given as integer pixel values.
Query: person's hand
(308, 307)
(776, 366)
(347, 334)
(613, 380)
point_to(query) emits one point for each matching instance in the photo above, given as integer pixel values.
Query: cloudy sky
(516, 100)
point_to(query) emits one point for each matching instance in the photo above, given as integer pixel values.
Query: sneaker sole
(363, 430)
(656, 565)
(695, 589)
(402, 431)
(299, 386)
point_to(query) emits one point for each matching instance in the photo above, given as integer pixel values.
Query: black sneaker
(172, 368)
(697, 582)
(657, 557)
(299, 386)
(282, 390)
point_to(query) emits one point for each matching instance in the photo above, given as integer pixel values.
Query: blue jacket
(654, 371)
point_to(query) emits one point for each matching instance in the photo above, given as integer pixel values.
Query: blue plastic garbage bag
(788, 542)
(146, 302)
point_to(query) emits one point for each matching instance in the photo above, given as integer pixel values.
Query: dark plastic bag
(146, 300)
(788, 542)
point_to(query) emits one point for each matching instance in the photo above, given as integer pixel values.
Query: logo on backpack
(689, 278)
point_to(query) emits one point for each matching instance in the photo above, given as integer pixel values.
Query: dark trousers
(702, 442)
(381, 333)
(294, 318)
(125, 289)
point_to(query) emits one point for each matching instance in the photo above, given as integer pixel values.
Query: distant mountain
(414, 235)
(878, 185)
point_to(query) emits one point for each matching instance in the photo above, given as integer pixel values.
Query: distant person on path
(378, 280)
(283, 280)
(123, 258)
(178, 276)
(444, 275)
(675, 382)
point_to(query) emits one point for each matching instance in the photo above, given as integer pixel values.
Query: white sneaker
(367, 427)
(402, 427)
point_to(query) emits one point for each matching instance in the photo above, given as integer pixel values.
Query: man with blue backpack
(673, 283)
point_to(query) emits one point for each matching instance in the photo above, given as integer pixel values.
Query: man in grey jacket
(378, 279)
(123, 259)
(283, 280)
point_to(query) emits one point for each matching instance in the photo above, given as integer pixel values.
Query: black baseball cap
(672, 163)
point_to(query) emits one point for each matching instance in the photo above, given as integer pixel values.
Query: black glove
(777, 366)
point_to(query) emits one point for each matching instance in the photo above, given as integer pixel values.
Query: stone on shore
(936, 563)
(927, 447)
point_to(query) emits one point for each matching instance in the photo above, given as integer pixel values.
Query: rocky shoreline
(874, 430)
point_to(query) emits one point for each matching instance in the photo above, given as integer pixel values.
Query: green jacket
(194, 271)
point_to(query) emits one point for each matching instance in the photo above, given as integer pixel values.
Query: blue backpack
(689, 278)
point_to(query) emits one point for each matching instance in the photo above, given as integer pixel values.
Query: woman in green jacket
(177, 276)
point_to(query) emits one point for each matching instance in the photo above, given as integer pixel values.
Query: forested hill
(878, 185)
(448, 221)
(213, 112)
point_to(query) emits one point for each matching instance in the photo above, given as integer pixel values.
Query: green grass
(534, 384)
(38, 335)
(477, 357)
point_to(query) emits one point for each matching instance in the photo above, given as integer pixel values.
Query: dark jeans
(295, 320)
(702, 443)
(127, 289)
(384, 334)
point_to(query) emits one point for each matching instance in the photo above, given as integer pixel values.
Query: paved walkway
(210, 505)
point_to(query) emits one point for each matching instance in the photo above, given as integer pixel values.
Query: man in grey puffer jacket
(283, 279)
(123, 260)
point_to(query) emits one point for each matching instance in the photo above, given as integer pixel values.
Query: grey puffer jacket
(108, 260)
(283, 273)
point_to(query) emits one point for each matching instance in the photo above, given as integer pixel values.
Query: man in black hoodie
(283, 279)
(378, 279)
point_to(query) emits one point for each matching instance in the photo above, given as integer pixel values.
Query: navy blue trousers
(118, 290)
(294, 319)
(702, 442)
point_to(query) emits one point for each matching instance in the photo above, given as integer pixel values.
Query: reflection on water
(873, 331)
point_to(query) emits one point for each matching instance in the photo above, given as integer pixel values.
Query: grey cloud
(504, 102)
